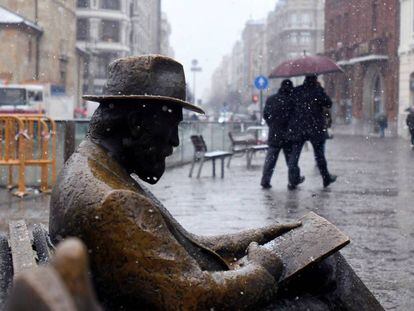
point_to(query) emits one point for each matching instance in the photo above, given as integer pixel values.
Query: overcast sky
(207, 29)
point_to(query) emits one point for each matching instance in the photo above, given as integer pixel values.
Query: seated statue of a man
(141, 257)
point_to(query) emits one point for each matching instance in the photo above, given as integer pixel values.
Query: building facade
(254, 57)
(294, 28)
(109, 29)
(103, 32)
(40, 46)
(406, 53)
(18, 66)
(146, 18)
(165, 47)
(233, 80)
(362, 36)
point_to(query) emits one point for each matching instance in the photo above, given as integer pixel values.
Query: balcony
(104, 46)
(297, 27)
(101, 14)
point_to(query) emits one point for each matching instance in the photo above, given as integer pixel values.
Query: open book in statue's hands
(306, 245)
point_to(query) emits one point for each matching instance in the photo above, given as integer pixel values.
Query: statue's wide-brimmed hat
(150, 78)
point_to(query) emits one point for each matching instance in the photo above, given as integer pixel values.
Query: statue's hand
(266, 258)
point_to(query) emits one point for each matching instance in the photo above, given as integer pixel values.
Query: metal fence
(215, 135)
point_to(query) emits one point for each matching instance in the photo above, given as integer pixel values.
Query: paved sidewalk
(372, 202)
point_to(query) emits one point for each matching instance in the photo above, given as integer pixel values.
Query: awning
(362, 59)
(9, 18)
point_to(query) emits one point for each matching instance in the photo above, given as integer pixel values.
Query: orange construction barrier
(28, 140)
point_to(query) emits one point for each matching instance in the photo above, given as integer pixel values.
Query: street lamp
(195, 68)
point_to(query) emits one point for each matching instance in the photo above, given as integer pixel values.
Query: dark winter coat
(410, 122)
(309, 118)
(277, 113)
(381, 119)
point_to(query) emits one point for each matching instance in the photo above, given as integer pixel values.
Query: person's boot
(293, 186)
(329, 180)
(266, 185)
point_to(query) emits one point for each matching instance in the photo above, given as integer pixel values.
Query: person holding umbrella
(308, 124)
(277, 114)
(410, 124)
(308, 121)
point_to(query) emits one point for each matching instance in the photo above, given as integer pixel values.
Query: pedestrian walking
(309, 124)
(277, 113)
(410, 124)
(382, 123)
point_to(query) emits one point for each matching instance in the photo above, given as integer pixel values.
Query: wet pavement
(372, 202)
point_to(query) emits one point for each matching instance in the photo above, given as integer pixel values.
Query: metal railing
(69, 134)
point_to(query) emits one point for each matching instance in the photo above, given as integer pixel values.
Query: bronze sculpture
(62, 285)
(140, 255)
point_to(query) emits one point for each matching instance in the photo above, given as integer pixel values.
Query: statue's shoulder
(91, 167)
(76, 172)
(127, 199)
(87, 179)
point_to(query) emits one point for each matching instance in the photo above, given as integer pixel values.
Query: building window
(293, 38)
(412, 89)
(30, 51)
(63, 77)
(374, 15)
(83, 4)
(82, 30)
(293, 19)
(305, 37)
(110, 31)
(110, 4)
(306, 19)
(347, 25)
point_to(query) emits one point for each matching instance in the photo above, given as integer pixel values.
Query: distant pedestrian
(309, 124)
(382, 123)
(253, 117)
(410, 124)
(277, 113)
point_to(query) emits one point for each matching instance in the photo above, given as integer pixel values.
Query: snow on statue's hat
(152, 78)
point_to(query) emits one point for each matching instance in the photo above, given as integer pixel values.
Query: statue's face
(153, 132)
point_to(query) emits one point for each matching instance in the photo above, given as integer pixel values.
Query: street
(371, 202)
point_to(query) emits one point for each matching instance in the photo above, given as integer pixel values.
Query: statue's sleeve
(134, 256)
(234, 245)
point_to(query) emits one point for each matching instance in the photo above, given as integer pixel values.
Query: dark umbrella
(303, 66)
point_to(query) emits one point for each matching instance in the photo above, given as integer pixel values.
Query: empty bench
(201, 155)
(240, 144)
(251, 152)
(245, 144)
